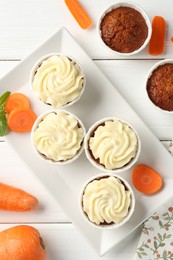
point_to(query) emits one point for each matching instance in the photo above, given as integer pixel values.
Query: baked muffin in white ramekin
(107, 201)
(112, 145)
(57, 137)
(57, 80)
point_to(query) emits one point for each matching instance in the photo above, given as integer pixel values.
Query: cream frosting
(58, 81)
(58, 136)
(106, 200)
(114, 144)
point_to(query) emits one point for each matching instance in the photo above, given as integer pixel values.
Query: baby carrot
(21, 243)
(15, 199)
(16, 101)
(156, 44)
(21, 120)
(79, 13)
(145, 179)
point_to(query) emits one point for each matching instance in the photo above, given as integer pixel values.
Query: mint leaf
(3, 123)
(3, 98)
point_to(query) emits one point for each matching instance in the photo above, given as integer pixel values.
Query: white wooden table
(24, 25)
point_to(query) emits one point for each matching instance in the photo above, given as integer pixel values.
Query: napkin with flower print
(156, 241)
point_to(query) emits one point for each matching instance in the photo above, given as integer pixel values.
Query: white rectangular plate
(99, 100)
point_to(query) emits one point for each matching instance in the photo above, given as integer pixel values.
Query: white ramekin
(99, 166)
(38, 120)
(137, 8)
(114, 225)
(40, 61)
(158, 64)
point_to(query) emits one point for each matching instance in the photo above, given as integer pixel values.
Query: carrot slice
(15, 199)
(16, 101)
(21, 120)
(79, 13)
(145, 179)
(156, 45)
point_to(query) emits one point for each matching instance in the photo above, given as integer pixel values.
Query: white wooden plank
(64, 242)
(14, 172)
(26, 23)
(129, 78)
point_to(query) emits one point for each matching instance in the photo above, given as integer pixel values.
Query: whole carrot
(15, 199)
(21, 243)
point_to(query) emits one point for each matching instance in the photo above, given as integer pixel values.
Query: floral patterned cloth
(156, 241)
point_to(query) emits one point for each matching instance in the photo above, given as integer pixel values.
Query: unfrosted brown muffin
(160, 86)
(124, 29)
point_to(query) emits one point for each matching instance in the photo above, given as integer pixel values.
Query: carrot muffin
(112, 145)
(124, 29)
(58, 136)
(58, 80)
(107, 201)
(160, 86)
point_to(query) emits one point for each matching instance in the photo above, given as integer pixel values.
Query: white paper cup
(99, 166)
(38, 64)
(43, 157)
(137, 8)
(112, 225)
(158, 64)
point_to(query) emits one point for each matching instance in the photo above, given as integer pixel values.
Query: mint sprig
(3, 119)
(3, 98)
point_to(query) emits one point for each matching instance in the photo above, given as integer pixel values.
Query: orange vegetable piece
(16, 101)
(145, 179)
(21, 120)
(15, 199)
(22, 243)
(156, 44)
(79, 13)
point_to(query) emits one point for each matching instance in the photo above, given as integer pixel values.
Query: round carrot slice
(16, 101)
(21, 120)
(146, 180)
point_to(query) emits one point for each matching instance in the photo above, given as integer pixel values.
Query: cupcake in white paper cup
(125, 28)
(107, 201)
(112, 145)
(57, 80)
(159, 85)
(58, 136)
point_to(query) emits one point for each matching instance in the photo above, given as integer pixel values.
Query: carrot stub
(145, 179)
(15, 199)
(21, 120)
(22, 243)
(79, 13)
(156, 44)
(16, 101)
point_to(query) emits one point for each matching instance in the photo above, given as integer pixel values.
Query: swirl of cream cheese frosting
(106, 200)
(58, 136)
(58, 81)
(114, 144)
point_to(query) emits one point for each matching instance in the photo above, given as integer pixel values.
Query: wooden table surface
(24, 25)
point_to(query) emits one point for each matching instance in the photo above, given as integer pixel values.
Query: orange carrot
(16, 101)
(79, 13)
(156, 45)
(145, 179)
(21, 243)
(21, 120)
(15, 199)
